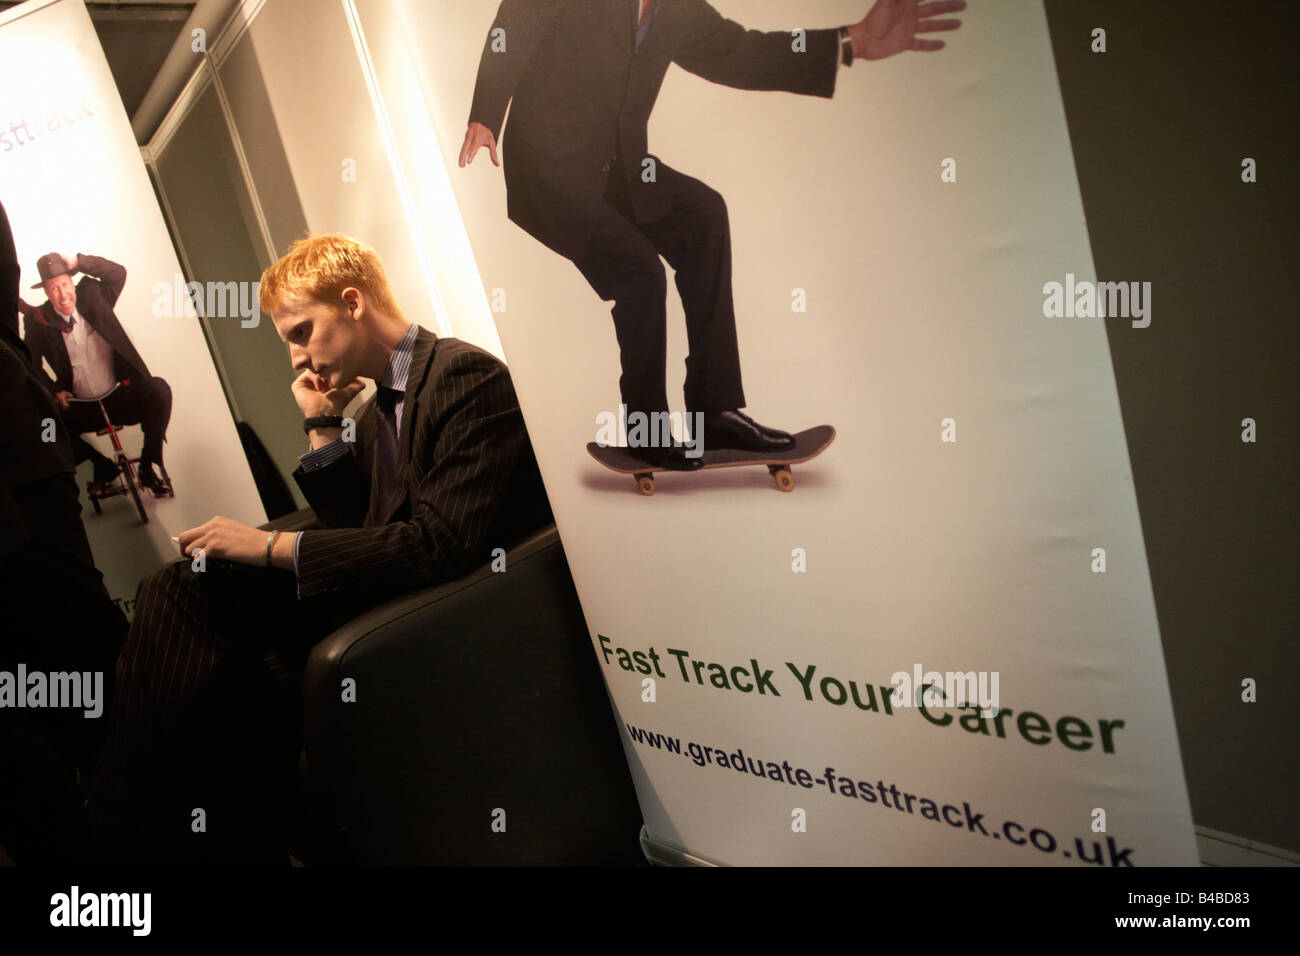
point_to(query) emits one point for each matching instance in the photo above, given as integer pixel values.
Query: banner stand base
(662, 854)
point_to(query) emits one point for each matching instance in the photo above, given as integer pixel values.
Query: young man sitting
(439, 472)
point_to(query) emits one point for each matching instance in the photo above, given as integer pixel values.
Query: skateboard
(808, 444)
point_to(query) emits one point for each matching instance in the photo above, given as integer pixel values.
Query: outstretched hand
(476, 137)
(892, 27)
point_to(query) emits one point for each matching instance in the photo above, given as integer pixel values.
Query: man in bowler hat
(78, 334)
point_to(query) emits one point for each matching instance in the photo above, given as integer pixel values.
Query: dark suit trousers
(200, 719)
(622, 264)
(61, 617)
(145, 402)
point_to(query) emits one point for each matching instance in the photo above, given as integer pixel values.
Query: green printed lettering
(654, 656)
(681, 662)
(1002, 714)
(941, 722)
(973, 722)
(1030, 723)
(857, 699)
(1107, 743)
(1068, 727)
(805, 680)
(763, 680)
(718, 677)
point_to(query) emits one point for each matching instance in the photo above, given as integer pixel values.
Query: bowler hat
(50, 265)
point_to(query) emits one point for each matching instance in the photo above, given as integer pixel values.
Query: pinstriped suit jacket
(467, 482)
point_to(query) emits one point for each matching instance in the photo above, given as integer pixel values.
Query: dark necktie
(67, 323)
(643, 21)
(386, 454)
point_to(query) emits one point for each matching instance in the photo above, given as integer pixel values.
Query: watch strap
(322, 421)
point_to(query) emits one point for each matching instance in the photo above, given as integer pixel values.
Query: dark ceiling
(136, 38)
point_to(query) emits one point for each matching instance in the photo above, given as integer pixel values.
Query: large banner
(73, 183)
(941, 645)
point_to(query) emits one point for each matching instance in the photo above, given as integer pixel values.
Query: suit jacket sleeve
(111, 276)
(35, 343)
(339, 492)
(724, 52)
(454, 502)
(524, 22)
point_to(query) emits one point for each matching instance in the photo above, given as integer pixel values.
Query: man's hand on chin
(234, 541)
(315, 397)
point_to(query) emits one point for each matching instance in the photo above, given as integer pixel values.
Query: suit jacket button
(605, 168)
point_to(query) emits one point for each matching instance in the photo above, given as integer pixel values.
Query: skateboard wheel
(784, 478)
(646, 483)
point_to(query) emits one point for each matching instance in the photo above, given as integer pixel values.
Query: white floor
(124, 549)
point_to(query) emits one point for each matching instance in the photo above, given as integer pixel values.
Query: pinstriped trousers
(199, 722)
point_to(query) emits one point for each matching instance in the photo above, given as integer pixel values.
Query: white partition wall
(343, 147)
(73, 182)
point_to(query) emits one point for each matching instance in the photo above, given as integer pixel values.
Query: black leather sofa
(480, 730)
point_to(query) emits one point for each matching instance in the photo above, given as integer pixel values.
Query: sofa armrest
(476, 700)
(304, 520)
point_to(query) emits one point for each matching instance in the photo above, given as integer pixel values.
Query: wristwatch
(846, 47)
(322, 421)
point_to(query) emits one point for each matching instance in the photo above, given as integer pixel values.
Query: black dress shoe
(155, 483)
(735, 429)
(102, 489)
(106, 472)
(672, 458)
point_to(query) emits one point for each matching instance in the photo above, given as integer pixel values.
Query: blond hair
(321, 267)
